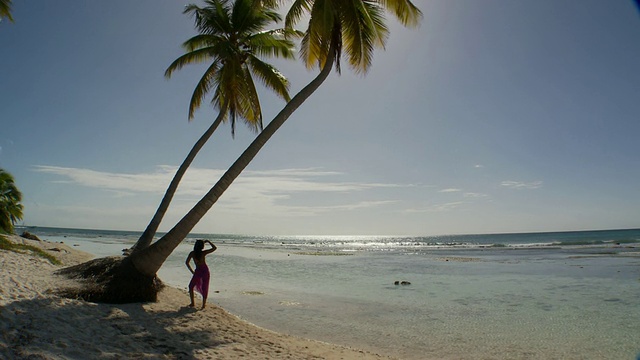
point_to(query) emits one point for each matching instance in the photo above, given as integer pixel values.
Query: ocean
(556, 295)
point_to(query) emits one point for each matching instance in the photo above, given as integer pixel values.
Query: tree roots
(113, 280)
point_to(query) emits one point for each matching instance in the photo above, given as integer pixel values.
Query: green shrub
(10, 206)
(5, 244)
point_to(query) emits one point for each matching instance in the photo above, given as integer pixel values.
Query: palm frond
(270, 77)
(266, 44)
(207, 81)
(404, 10)
(251, 106)
(296, 11)
(315, 45)
(202, 41)
(193, 57)
(212, 19)
(363, 30)
(5, 10)
(272, 4)
(242, 15)
(250, 16)
(230, 90)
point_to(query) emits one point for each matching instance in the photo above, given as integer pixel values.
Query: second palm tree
(231, 38)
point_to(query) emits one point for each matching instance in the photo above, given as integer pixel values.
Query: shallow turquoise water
(524, 306)
(572, 302)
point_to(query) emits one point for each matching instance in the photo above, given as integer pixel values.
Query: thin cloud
(252, 192)
(518, 185)
(128, 183)
(475, 195)
(317, 210)
(437, 207)
(450, 190)
(198, 181)
(447, 206)
(297, 172)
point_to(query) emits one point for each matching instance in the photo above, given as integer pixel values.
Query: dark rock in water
(30, 236)
(403, 282)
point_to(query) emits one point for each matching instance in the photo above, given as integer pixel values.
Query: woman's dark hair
(198, 246)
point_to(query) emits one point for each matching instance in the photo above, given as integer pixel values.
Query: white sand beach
(35, 323)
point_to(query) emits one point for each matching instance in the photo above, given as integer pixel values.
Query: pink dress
(200, 280)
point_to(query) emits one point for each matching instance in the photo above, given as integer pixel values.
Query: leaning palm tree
(358, 27)
(5, 10)
(231, 38)
(10, 206)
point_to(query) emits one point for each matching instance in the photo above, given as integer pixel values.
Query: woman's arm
(213, 248)
(188, 262)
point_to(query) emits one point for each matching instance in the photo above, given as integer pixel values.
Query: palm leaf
(266, 44)
(404, 10)
(193, 57)
(251, 106)
(203, 41)
(5, 10)
(363, 30)
(207, 81)
(270, 77)
(296, 12)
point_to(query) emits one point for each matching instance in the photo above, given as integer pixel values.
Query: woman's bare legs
(193, 304)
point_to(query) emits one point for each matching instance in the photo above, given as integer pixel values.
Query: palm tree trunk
(148, 234)
(149, 260)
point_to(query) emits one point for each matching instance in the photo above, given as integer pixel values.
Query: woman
(200, 279)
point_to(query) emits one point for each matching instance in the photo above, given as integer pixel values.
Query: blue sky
(492, 116)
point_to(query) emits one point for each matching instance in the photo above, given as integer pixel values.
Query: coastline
(572, 302)
(35, 322)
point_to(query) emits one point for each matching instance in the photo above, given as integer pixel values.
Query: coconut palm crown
(231, 39)
(356, 26)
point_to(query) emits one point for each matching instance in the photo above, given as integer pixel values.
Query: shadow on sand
(53, 327)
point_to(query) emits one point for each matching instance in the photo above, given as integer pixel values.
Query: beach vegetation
(352, 28)
(5, 10)
(231, 40)
(10, 202)
(7, 245)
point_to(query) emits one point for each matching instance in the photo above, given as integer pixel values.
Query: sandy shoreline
(37, 324)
